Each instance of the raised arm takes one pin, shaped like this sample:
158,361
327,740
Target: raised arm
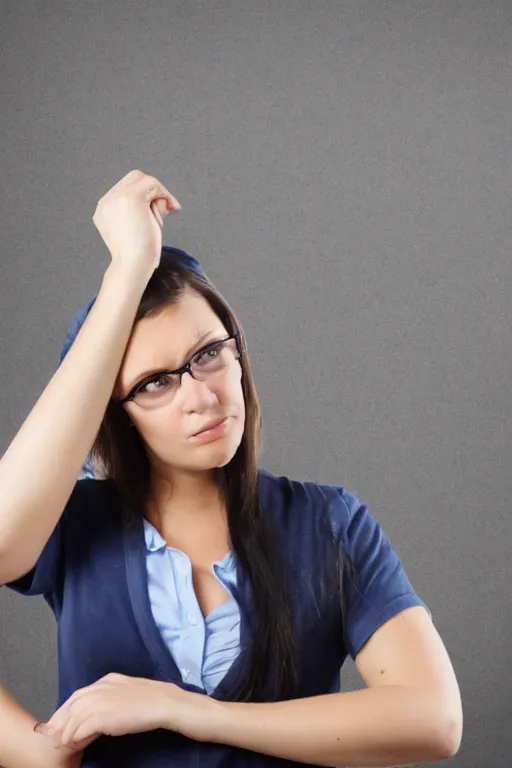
40,467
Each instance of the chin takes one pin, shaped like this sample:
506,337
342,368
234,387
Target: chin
222,456
218,454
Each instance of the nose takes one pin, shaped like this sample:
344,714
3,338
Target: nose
195,395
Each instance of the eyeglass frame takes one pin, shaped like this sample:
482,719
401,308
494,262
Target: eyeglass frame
185,368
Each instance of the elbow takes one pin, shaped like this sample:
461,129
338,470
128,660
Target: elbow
451,738
449,733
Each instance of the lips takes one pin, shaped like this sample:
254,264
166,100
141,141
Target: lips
209,425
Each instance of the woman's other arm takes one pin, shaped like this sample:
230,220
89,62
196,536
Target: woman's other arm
21,747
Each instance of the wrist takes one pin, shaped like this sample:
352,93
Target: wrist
195,715
221,720
133,279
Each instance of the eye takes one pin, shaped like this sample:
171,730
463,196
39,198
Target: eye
209,353
161,379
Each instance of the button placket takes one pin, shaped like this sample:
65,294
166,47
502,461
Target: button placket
194,634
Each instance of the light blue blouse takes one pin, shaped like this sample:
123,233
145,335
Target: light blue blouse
203,648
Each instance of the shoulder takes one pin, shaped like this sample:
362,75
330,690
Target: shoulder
284,496
92,503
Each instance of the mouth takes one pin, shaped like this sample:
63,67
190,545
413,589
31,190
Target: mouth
212,428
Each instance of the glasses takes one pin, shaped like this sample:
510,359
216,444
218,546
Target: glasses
160,388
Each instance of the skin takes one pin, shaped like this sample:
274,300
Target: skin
182,470
185,505
20,747
411,709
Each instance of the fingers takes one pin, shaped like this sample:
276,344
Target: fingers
159,208
74,712
67,733
157,214
149,188
78,728
84,734
61,716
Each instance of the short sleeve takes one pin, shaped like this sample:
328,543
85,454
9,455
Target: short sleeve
42,579
375,585
45,577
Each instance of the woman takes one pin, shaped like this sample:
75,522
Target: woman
204,607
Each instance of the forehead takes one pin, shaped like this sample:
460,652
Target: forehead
164,340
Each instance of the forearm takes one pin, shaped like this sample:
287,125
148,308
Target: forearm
20,747
40,467
373,727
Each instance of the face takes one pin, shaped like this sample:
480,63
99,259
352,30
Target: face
166,342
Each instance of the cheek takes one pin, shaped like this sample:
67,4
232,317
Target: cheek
231,393
164,427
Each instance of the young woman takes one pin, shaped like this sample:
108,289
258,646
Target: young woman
204,606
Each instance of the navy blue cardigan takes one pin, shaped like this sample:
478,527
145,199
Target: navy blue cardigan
92,573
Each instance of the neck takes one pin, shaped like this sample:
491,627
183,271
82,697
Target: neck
183,495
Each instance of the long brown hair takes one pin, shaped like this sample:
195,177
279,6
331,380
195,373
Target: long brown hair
119,453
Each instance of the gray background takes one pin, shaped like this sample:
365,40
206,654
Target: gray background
345,175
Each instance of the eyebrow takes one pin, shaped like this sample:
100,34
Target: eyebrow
190,353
